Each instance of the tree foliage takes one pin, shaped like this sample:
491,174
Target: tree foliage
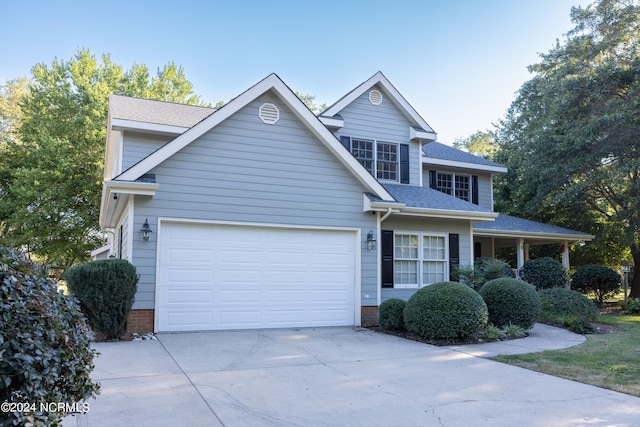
480,144
571,139
51,173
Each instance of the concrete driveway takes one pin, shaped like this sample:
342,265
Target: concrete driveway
337,377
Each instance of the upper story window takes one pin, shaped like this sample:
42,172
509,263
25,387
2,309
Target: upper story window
387,161
464,187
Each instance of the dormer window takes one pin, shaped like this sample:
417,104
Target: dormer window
387,161
464,187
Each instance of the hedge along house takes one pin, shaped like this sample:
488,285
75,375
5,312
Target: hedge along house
262,215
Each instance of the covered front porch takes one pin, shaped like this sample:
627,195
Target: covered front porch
513,232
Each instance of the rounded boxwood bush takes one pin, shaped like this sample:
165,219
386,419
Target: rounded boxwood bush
45,353
568,309
511,301
599,279
544,273
445,310
106,290
391,314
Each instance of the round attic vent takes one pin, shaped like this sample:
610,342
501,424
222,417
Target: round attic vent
269,113
375,97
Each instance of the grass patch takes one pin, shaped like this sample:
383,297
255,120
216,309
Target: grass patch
609,361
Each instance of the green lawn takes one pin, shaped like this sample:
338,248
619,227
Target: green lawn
605,360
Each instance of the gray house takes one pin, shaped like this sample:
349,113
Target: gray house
262,215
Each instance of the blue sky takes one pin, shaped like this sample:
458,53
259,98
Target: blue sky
459,63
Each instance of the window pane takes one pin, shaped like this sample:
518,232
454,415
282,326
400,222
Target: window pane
463,187
444,182
405,272
387,161
433,272
433,248
362,149
406,246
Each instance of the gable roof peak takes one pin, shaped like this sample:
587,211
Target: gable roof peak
394,95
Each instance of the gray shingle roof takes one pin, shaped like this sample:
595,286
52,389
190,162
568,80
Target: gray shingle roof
436,150
158,112
428,198
510,223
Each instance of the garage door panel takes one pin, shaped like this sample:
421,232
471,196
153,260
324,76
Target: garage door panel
235,277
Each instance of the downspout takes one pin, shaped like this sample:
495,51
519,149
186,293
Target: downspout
386,215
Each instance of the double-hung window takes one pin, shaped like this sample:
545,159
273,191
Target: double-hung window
420,259
380,158
462,186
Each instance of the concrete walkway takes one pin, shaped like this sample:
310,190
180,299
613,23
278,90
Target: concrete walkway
339,377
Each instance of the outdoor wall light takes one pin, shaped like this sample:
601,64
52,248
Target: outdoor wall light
145,231
371,240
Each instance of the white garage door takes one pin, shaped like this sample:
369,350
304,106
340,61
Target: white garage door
235,277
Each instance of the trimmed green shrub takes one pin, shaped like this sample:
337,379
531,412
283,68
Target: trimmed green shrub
106,289
445,310
633,306
391,314
483,270
567,309
45,354
511,301
545,273
599,279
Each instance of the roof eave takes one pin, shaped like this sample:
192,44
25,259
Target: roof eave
449,214
533,235
113,203
145,127
463,165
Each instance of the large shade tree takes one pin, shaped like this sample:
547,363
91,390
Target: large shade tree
571,139
52,149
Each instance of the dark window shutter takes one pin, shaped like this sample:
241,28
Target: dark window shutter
433,179
386,246
474,189
120,237
404,163
454,255
346,141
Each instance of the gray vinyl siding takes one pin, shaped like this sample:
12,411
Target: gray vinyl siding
246,171
136,146
486,246
434,225
485,190
382,122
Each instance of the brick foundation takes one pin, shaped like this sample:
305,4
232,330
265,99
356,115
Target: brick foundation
140,321
369,316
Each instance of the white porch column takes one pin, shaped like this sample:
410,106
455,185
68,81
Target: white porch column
520,251
565,255
526,252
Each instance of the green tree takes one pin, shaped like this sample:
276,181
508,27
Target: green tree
10,96
310,102
51,173
480,144
571,137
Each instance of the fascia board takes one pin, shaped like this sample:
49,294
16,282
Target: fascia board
121,124
421,134
331,122
449,214
463,165
533,235
108,204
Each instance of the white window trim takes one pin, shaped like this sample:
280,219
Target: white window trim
421,259
374,150
453,183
